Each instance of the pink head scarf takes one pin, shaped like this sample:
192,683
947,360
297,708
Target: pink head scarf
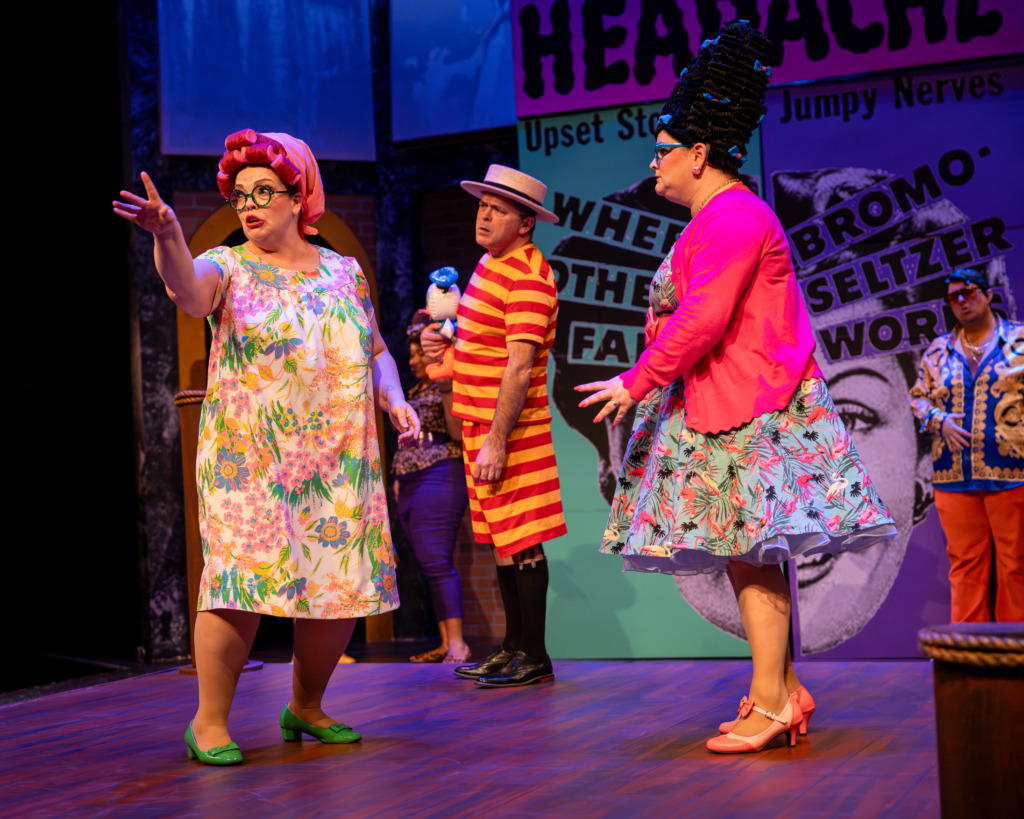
288,157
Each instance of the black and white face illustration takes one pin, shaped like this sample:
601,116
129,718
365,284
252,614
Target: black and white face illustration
838,594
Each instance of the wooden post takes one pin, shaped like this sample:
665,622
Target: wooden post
979,711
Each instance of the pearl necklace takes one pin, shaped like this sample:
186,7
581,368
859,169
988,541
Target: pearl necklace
721,187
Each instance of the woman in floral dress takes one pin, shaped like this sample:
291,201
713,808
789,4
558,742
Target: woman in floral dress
292,511
737,461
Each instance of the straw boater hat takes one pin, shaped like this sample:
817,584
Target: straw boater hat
514,185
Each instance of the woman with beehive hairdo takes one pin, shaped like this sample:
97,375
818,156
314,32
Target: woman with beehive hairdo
719,98
738,460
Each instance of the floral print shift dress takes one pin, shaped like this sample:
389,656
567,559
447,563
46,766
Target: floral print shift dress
292,511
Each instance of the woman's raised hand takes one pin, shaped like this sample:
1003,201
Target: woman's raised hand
191,284
618,398
151,214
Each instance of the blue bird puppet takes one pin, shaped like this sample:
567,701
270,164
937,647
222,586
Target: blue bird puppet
442,305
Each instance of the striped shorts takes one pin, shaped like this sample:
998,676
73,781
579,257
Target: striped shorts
524,508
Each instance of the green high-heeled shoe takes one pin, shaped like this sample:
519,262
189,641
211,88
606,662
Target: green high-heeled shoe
292,729
229,754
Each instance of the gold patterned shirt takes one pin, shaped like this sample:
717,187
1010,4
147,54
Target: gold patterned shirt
992,401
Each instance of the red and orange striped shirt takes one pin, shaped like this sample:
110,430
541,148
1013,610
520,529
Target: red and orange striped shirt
508,299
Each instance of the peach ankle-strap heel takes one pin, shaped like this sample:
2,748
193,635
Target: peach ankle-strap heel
788,721
806,706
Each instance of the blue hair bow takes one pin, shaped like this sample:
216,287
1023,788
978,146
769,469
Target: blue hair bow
722,101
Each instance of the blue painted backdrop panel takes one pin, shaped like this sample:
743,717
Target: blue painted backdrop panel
451,67
300,66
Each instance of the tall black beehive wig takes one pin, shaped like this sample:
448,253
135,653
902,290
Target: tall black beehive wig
719,99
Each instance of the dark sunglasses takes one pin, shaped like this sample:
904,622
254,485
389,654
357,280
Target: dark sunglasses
965,293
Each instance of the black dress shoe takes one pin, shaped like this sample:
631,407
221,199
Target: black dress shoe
522,670
497,660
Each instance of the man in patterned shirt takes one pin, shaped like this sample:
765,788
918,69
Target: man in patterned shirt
506,326
969,395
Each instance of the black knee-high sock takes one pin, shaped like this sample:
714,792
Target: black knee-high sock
533,605
510,601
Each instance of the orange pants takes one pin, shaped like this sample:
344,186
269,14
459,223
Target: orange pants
972,521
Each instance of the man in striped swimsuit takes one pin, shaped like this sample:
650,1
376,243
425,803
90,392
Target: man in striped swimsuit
506,326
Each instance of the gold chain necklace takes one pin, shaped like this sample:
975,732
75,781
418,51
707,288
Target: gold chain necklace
721,187
976,351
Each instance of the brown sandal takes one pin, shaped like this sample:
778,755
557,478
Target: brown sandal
435,655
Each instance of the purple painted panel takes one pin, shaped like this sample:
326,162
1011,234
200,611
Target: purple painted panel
882,193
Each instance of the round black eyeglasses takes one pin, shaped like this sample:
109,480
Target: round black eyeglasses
261,196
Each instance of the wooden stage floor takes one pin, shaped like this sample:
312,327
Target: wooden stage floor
606,739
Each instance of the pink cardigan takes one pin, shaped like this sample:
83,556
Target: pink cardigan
740,336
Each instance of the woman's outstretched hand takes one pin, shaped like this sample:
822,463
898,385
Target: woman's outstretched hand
152,214
617,396
191,283
406,421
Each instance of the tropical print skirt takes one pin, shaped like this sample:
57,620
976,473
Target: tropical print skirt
787,483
